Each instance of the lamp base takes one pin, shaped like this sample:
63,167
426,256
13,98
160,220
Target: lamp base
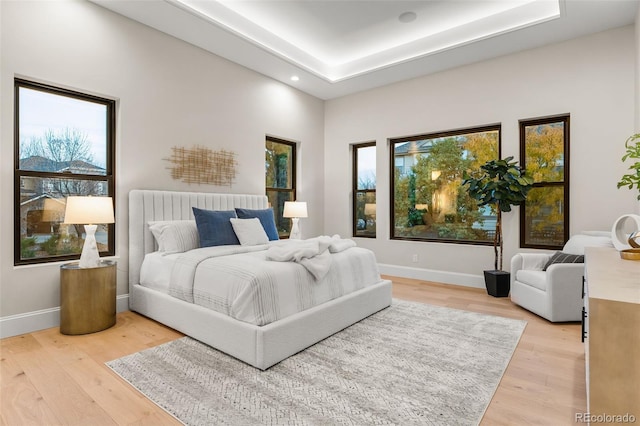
295,233
90,258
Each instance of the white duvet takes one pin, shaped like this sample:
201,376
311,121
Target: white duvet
265,283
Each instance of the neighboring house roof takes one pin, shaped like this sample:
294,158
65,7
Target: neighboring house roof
413,147
44,164
39,197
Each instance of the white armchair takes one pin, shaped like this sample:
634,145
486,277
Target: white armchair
554,294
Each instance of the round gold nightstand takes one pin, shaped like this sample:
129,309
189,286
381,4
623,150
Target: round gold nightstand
87,298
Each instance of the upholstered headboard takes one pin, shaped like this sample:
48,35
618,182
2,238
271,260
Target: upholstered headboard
149,205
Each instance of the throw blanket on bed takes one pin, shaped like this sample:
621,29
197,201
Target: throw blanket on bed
241,282
313,254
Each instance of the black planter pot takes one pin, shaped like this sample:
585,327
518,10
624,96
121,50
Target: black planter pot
498,283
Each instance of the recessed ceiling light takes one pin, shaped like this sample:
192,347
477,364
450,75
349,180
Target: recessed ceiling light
295,78
407,17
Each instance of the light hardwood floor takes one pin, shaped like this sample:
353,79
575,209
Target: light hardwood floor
51,379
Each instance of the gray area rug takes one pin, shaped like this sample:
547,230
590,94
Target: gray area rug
408,364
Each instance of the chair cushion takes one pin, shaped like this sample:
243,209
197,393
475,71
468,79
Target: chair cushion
560,257
537,279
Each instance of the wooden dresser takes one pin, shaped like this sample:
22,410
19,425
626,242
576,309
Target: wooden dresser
612,330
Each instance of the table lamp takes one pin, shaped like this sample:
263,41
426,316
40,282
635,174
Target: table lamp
370,209
89,211
53,211
295,210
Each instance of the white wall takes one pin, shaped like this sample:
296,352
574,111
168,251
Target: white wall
592,78
168,93
637,91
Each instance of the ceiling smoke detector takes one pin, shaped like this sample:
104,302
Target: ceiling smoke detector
407,17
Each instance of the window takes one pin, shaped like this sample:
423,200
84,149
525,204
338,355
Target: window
280,173
544,153
364,190
64,145
428,200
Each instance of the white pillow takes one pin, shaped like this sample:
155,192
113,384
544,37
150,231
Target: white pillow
578,242
597,233
175,236
249,231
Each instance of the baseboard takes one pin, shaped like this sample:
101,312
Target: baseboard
467,280
47,318
29,322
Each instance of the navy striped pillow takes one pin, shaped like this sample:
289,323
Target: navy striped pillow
560,257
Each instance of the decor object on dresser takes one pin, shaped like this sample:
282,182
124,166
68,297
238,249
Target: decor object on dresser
622,230
499,184
89,211
550,285
295,210
87,297
632,144
231,296
438,371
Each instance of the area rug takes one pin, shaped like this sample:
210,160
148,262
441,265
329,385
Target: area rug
411,363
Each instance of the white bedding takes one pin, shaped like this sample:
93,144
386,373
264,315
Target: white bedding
241,282
155,271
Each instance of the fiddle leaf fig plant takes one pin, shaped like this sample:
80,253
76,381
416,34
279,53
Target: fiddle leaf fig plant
633,151
500,184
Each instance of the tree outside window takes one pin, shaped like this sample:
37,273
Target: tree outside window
544,149
429,202
364,190
64,145
280,167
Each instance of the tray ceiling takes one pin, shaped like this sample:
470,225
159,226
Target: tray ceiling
333,48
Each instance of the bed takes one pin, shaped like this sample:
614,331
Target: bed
258,345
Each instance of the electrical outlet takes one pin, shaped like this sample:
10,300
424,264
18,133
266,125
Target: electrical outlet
414,258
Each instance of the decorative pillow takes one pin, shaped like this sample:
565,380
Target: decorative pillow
606,234
266,219
214,227
578,242
175,236
560,257
249,231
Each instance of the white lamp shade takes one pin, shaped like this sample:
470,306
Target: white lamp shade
370,209
89,210
53,209
295,209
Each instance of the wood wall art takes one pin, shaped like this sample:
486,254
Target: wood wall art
203,165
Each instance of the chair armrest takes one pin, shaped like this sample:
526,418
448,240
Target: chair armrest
564,286
534,261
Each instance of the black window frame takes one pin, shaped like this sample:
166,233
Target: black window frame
109,175
523,124
355,190
442,134
292,190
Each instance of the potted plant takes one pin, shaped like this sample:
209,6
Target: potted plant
633,151
499,184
